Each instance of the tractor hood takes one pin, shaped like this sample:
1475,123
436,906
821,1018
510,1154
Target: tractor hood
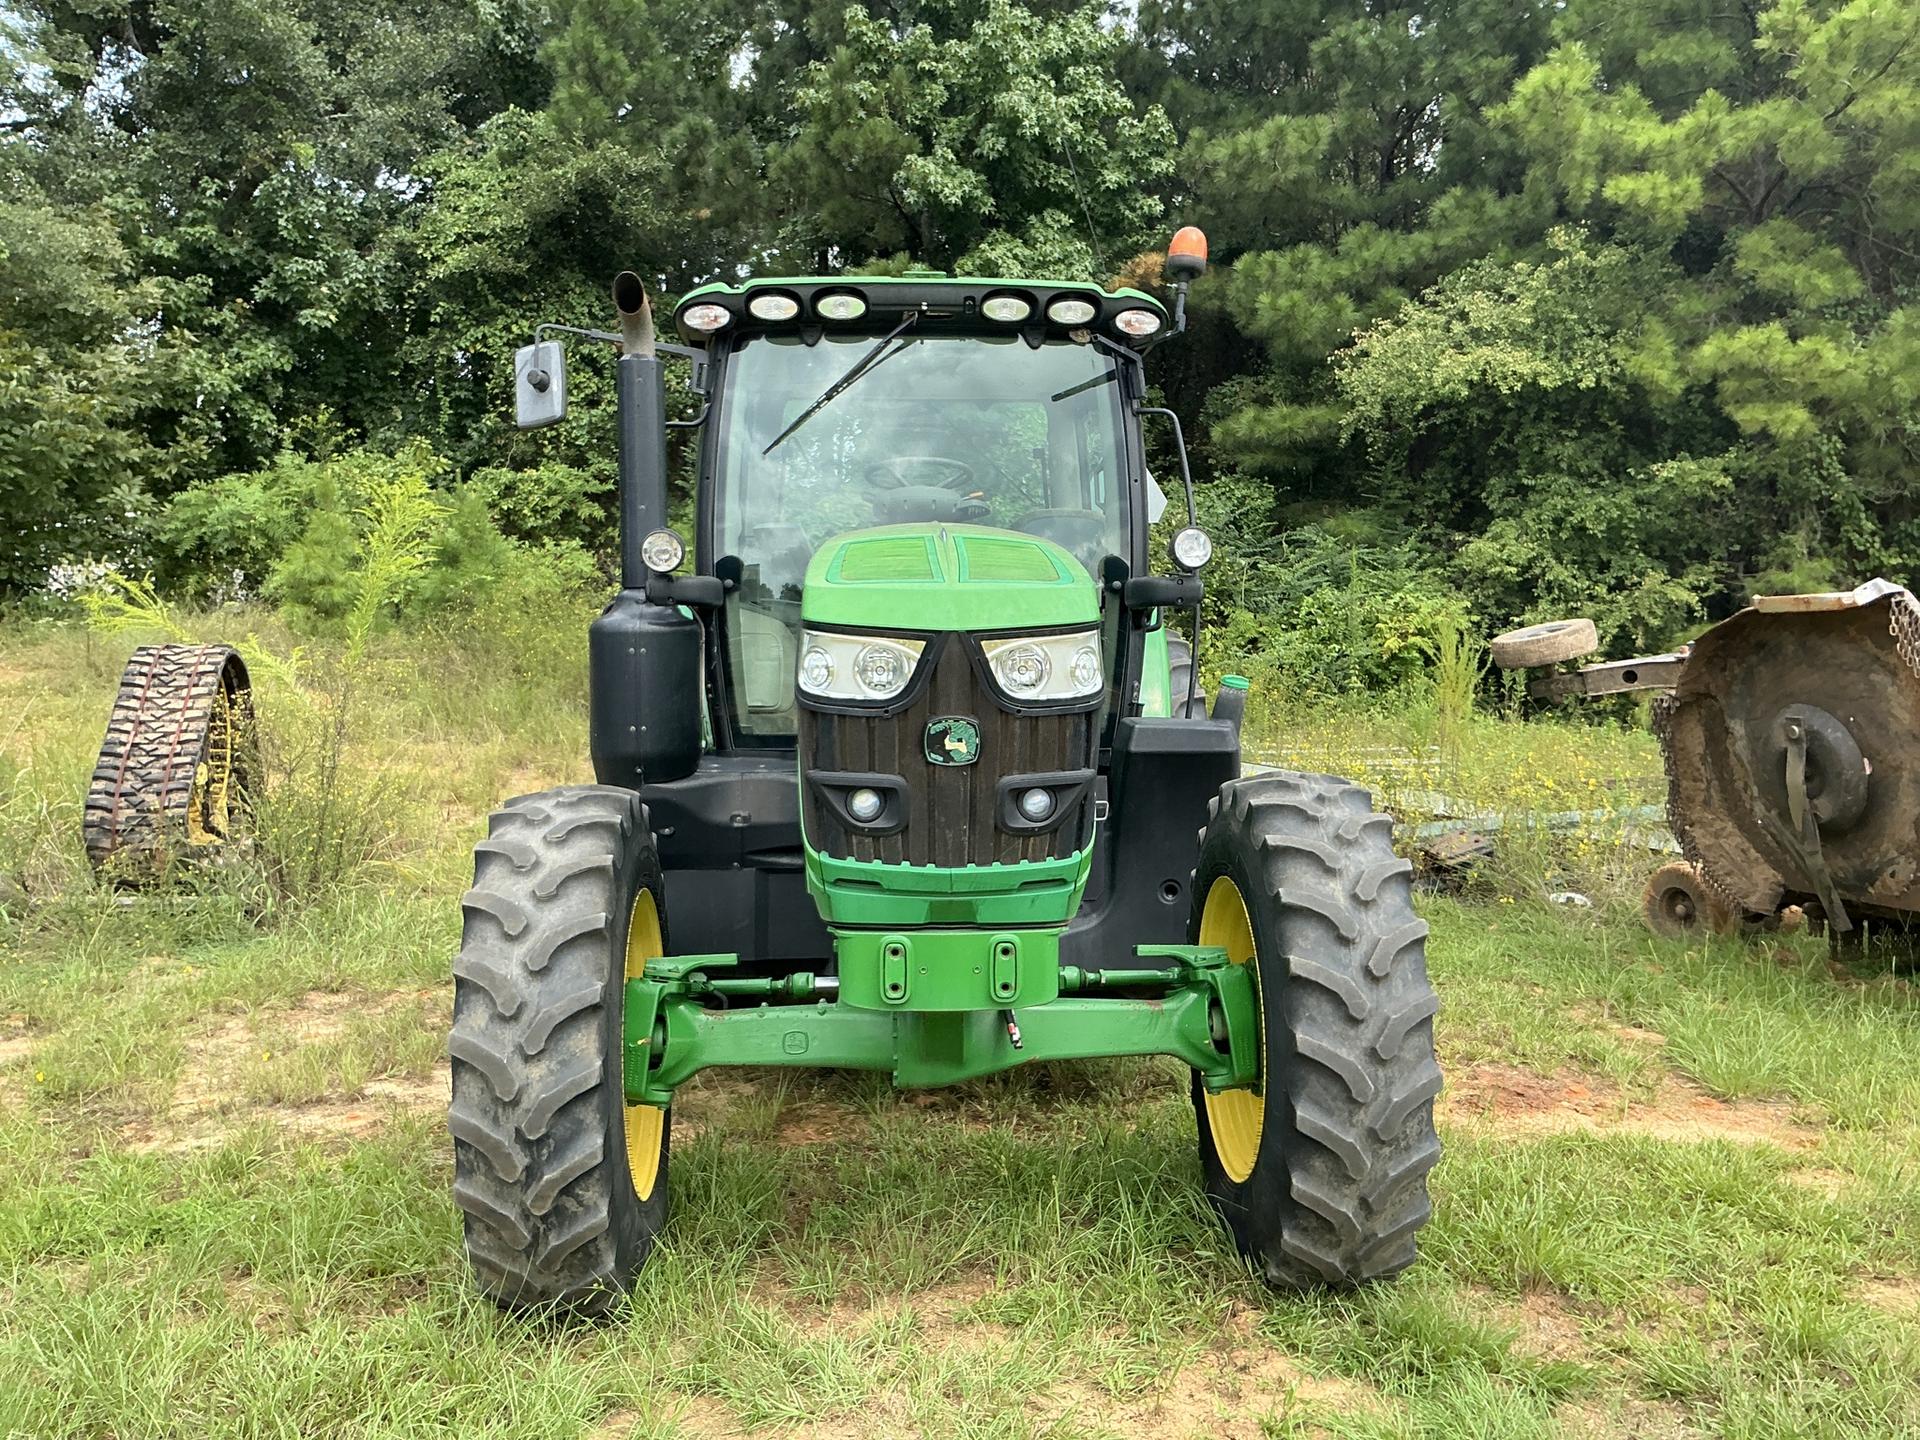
936,577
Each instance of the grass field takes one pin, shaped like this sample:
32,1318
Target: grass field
1681,1192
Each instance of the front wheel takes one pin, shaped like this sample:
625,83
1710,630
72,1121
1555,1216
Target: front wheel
1320,1167
562,1185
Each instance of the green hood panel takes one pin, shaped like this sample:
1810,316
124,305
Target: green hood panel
947,577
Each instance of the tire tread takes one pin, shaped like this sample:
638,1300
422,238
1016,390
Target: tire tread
1353,1120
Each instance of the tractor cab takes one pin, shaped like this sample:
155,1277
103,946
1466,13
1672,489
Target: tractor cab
963,428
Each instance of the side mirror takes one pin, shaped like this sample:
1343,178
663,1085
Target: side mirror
539,384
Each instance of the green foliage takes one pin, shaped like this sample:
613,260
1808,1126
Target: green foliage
992,145
304,533
550,503
87,354
232,530
1509,411
1610,306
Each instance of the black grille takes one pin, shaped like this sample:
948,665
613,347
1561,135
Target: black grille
951,810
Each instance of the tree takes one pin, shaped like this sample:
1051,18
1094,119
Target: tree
252,152
1339,155
1510,413
86,358
1004,149
1774,154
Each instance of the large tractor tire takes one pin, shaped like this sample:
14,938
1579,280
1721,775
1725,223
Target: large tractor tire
1320,1168
175,773
562,1185
1180,682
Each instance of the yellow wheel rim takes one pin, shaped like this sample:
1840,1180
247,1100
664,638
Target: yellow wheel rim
210,806
1234,1116
644,1123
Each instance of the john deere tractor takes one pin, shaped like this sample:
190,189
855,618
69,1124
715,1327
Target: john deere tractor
894,775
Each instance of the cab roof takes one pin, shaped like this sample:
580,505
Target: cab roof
946,303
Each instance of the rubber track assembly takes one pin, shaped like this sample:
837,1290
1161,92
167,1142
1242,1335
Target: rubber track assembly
175,766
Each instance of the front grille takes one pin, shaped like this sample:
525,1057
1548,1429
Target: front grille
951,809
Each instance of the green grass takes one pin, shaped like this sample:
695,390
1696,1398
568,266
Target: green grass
1681,1194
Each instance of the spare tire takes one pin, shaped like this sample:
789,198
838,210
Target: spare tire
1545,644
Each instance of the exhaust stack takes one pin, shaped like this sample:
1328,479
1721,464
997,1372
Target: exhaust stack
636,314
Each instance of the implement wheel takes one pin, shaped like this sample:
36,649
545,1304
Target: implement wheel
174,777
561,1183
1678,904
1320,1168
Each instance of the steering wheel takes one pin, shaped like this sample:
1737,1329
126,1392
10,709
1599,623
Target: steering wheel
919,472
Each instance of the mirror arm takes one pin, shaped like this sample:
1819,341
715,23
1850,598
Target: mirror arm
612,337
696,592
1179,449
609,336
1186,483
695,422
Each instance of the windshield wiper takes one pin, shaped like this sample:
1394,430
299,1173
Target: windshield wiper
1085,385
860,367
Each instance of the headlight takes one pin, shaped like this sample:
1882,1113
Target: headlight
1007,309
772,305
707,318
1138,323
1044,668
856,667
840,306
1192,548
662,551
1070,312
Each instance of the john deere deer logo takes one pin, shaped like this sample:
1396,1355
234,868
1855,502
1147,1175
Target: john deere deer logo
952,740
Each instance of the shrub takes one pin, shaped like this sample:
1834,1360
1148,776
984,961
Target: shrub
553,503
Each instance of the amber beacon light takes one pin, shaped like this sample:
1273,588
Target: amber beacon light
1187,255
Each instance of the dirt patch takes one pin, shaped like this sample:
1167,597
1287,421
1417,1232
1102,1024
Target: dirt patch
1898,1296
208,1103
1229,1393
1625,1420
795,1108
16,1039
1225,1394
941,1313
703,1417
1818,1178
707,1100
1635,1035
1549,1323
377,1105
814,1122
1511,1101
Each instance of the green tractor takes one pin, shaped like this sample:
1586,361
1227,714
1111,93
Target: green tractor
896,775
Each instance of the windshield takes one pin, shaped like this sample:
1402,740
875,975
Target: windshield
983,430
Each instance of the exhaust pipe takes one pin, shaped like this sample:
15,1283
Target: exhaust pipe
644,657
641,402
636,314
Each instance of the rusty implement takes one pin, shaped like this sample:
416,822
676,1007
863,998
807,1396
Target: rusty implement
1793,755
